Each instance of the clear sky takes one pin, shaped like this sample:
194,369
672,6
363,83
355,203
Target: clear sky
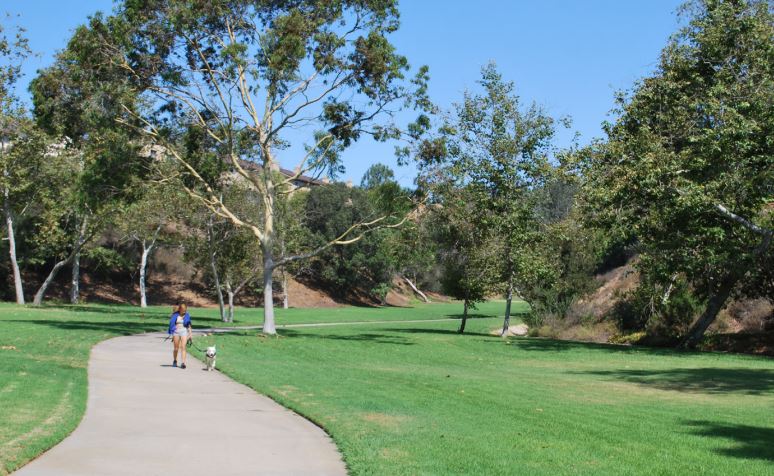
568,55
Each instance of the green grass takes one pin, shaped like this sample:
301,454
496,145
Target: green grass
416,398
44,354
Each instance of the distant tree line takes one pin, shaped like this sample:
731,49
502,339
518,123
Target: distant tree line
162,125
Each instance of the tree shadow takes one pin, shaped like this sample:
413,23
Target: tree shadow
419,330
552,345
127,311
366,337
115,327
751,442
543,344
476,316
105,309
699,380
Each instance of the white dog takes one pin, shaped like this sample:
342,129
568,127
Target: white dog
209,358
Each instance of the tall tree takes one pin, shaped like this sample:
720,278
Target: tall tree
500,151
18,146
466,250
252,76
688,167
79,99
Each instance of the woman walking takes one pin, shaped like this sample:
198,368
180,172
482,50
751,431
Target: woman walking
180,330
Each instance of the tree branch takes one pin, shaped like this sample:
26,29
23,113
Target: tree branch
743,221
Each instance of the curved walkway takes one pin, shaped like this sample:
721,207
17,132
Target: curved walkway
146,418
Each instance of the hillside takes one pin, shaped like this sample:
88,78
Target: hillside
745,325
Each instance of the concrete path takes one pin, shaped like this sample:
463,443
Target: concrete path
146,418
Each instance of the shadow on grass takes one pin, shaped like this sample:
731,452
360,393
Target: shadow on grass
366,337
115,327
750,442
701,380
420,330
542,344
105,309
477,316
553,345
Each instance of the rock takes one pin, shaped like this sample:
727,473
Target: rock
519,330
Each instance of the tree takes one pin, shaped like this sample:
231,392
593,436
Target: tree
377,175
18,144
687,168
362,267
144,222
292,235
466,251
251,76
78,100
500,152
228,252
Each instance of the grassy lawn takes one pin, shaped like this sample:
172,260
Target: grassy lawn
416,398
44,354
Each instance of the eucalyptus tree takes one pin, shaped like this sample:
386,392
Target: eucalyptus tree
18,144
254,77
229,253
689,164
500,152
150,221
78,100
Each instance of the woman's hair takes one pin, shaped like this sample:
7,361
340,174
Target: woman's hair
181,309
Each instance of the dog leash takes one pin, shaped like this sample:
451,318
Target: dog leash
191,343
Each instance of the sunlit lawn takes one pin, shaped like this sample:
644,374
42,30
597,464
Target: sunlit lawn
44,354
417,398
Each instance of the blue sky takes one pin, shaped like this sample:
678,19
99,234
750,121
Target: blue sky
568,55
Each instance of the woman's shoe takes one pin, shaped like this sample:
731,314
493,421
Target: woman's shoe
174,363
182,366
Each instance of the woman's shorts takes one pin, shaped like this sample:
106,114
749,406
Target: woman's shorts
181,332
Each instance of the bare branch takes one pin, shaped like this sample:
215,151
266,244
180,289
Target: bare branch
743,221
343,239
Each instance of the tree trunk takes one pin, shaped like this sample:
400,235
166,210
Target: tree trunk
268,290
716,302
719,297
464,318
284,290
508,299
420,293
218,289
17,282
38,299
146,251
267,243
75,281
230,293
143,265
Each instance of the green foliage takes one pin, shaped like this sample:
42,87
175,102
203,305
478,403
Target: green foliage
377,175
498,152
364,266
691,143
466,254
664,313
104,259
